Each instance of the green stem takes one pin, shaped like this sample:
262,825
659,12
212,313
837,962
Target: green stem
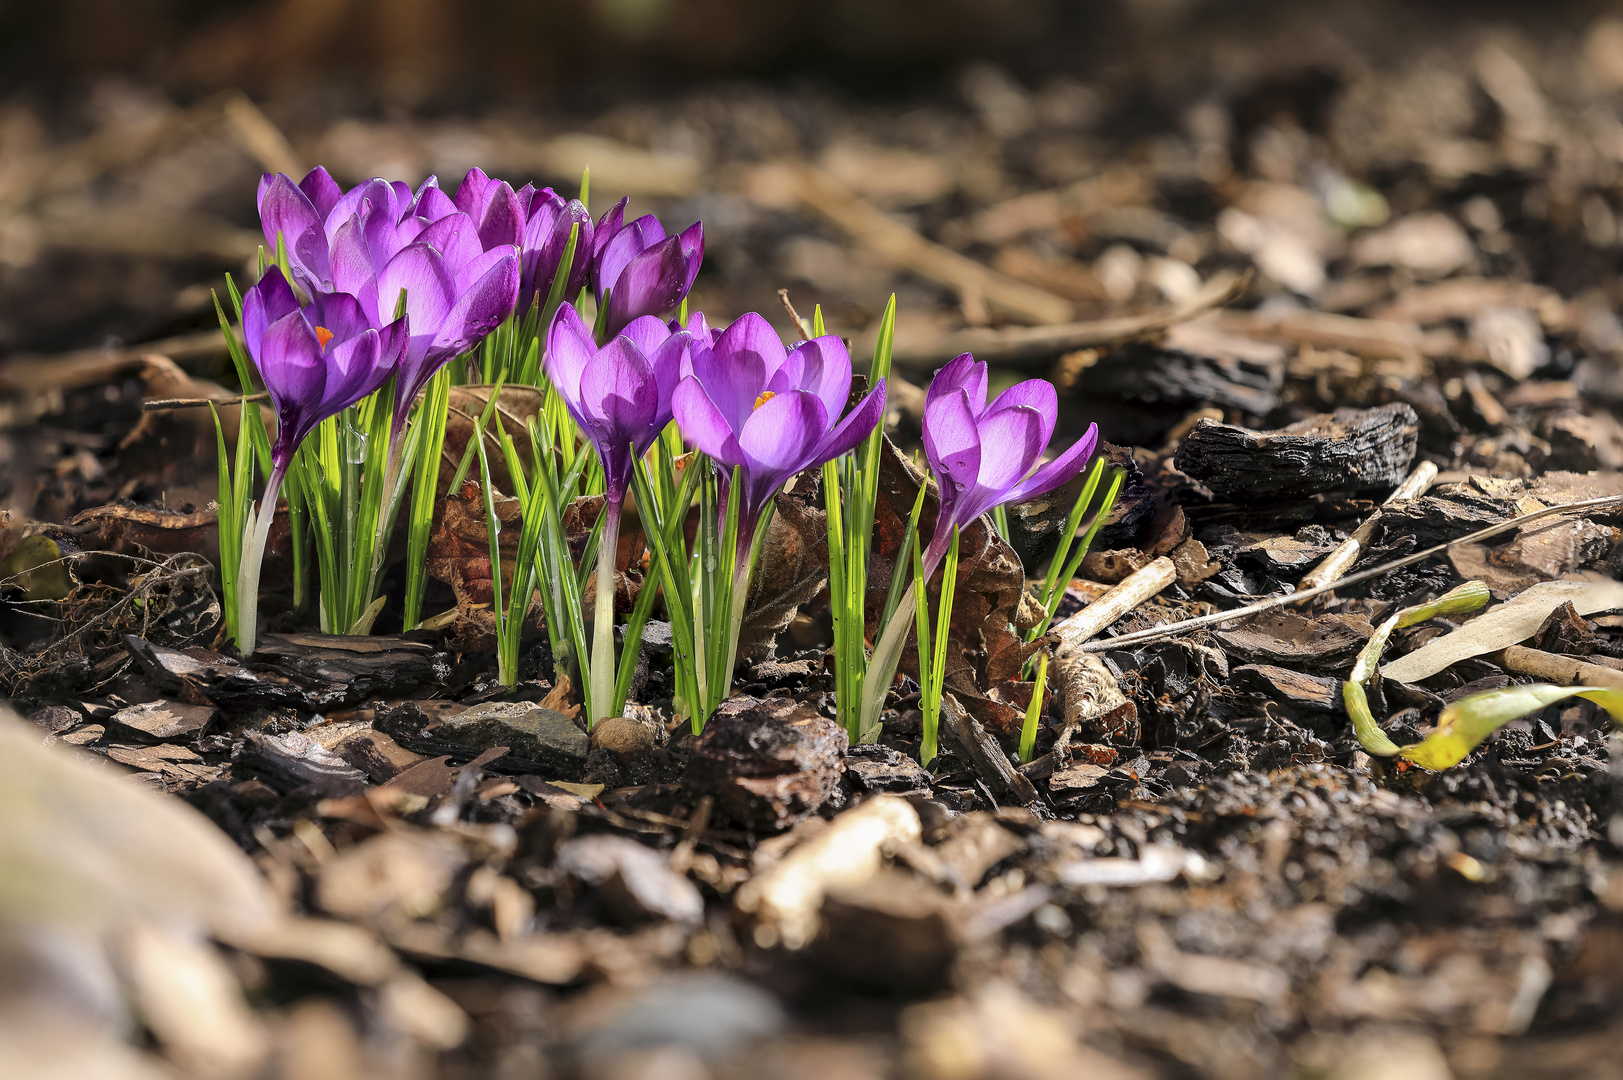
603,665
887,652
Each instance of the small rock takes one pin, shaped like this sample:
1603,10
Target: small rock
55,718
768,763
531,731
163,719
623,737
708,1015
875,767
636,882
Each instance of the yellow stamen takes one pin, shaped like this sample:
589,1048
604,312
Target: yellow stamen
323,335
766,396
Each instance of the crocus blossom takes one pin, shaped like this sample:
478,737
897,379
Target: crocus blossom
316,361
548,220
640,269
454,262
620,394
751,403
983,454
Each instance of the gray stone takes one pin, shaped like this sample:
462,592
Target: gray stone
530,731
635,881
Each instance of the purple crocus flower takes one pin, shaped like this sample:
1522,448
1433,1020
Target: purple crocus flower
316,361
454,259
548,219
639,268
620,394
751,403
982,454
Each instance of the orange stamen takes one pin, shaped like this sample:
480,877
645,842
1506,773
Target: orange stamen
323,335
766,396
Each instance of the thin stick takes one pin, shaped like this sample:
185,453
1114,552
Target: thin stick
165,404
1173,630
794,316
1339,561
1030,346
1561,670
1136,588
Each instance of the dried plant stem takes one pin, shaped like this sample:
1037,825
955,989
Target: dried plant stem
1184,627
1560,670
1133,591
1339,561
165,404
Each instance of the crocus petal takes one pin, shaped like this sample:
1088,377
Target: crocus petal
952,442
858,424
269,300
734,379
692,242
650,284
569,350
699,327
353,372
778,440
429,287
284,209
362,199
607,227
671,361
1011,443
456,238
482,305
702,423
647,332
432,205
353,271
472,195
502,223
751,335
1036,394
962,372
295,374
620,400
341,315
1060,470
626,244
825,370
322,190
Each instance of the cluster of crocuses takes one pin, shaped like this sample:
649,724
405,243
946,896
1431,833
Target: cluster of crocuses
396,284
400,282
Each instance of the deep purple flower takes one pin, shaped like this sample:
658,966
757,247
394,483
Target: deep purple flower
316,361
642,271
548,218
982,455
773,411
620,394
378,239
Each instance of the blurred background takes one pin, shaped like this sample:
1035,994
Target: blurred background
132,132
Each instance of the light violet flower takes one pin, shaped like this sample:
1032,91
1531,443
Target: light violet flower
983,454
751,403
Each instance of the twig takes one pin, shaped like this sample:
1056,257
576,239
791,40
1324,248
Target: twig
1136,588
884,235
984,752
164,404
794,316
1174,629
1033,346
1339,561
1560,670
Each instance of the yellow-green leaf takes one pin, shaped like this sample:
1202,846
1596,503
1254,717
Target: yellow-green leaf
1464,724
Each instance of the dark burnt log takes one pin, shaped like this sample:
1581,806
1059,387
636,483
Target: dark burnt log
1350,450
